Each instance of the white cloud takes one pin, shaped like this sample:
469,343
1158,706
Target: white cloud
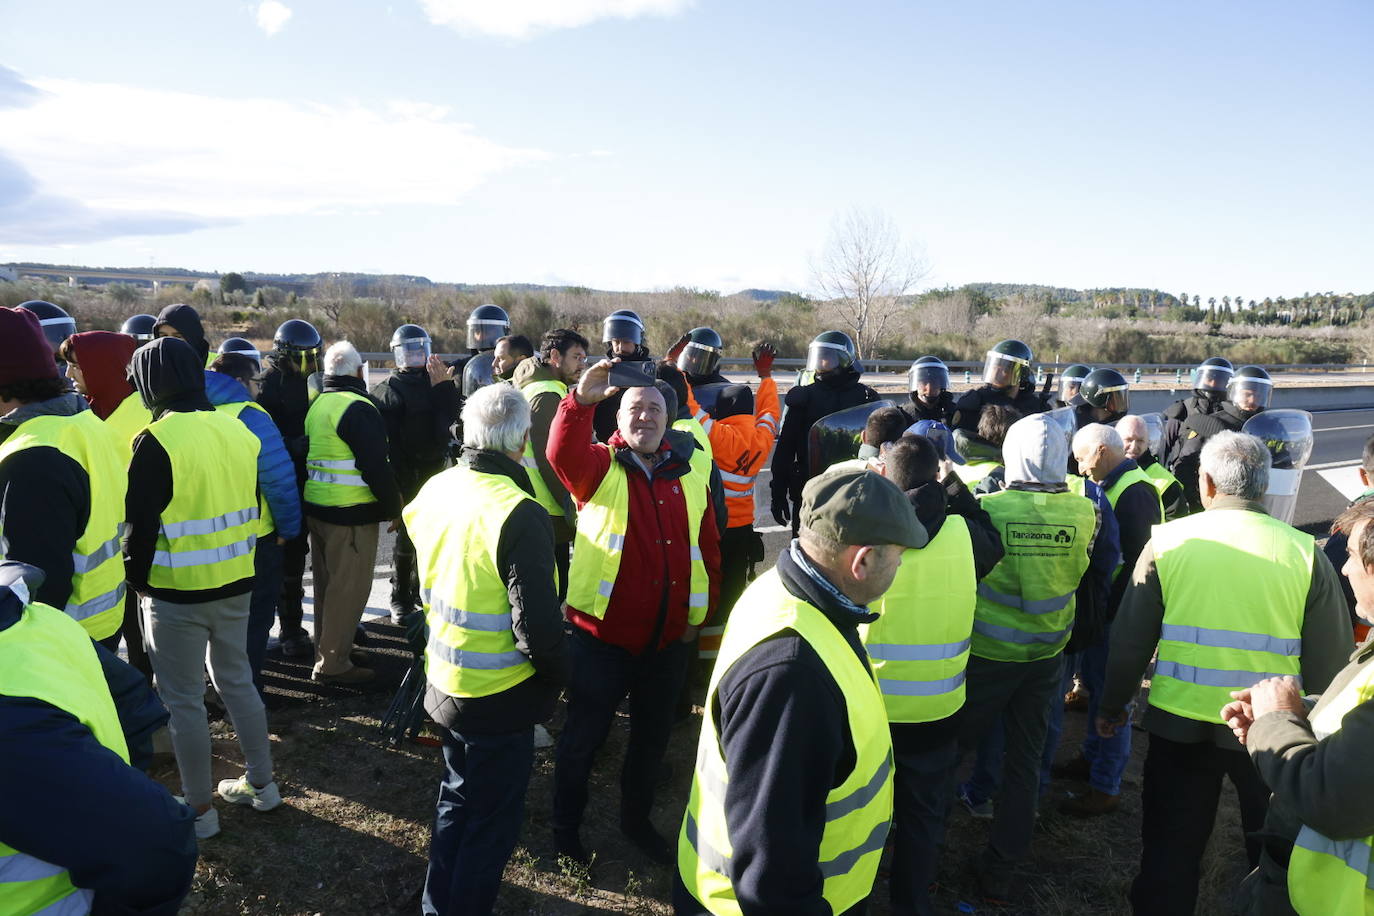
272,16
523,18
124,149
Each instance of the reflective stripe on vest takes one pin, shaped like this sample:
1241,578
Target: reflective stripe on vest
600,542
1025,605
455,523
210,528
920,642
97,585
858,812
266,523
1327,876
49,657
1234,584
332,479
542,494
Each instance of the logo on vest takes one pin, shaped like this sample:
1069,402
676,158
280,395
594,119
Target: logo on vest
1029,535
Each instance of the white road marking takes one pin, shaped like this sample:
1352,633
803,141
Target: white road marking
1332,464
1345,480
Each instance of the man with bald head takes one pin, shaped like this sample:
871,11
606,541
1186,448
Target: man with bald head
1135,435
645,574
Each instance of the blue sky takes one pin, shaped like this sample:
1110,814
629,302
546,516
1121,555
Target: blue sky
1213,148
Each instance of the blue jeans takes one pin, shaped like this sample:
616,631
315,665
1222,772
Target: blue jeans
1107,757
262,608
477,820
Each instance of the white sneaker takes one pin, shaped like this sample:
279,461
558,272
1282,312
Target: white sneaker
242,792
207,824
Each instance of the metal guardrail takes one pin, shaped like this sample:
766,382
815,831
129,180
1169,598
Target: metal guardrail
901,365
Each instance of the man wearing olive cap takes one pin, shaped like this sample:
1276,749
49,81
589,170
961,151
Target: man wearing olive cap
792,792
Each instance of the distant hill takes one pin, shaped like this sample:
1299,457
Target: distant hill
764,295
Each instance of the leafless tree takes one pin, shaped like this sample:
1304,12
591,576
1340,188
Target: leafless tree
865,270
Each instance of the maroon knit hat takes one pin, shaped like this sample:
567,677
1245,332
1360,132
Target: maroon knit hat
25,354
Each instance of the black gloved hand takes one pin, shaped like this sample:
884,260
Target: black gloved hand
782,512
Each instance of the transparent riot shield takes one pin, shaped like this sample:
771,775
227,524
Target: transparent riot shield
1287,433
478,373
836,437
1154,425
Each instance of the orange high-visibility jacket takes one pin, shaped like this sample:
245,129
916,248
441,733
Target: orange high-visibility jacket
741,445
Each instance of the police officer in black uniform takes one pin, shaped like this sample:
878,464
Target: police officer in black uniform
285,395
1249,391
1103,397
139,327
698,354
1210,380
1070,381
623,334
931,399
834,360
1008,379
419,403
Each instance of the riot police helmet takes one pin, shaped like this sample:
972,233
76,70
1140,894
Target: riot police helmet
701,354
1212,376
298,344
1107,389
1250,389
930,373
1008,364
56,323
139,327
831,351
623,324
1071,379
486,325
410,346
241,347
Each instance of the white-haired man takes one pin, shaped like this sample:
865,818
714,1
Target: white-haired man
1231,597
349,490
495,661
1135,435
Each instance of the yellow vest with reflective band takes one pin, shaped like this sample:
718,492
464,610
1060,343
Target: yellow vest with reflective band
97,596
1327,876
858,812
210,528
919,644
542,494
331,476
49,657
128,420
455,522
973,472
600,542
1133,476
266,524
1235,588
703,454
1026,604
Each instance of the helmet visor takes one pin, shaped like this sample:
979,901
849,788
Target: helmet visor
483,333
927,379
1250,393
698,359
823,356
1002,370
1118,400
411,353
622,327
1211,378
1068,388
250,352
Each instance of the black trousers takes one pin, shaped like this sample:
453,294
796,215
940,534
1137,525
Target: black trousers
920,807
132,633
602,674
1179,807
735,547
289,610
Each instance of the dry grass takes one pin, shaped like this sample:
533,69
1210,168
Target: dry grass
353,835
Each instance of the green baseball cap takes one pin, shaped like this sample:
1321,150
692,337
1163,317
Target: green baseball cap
860,507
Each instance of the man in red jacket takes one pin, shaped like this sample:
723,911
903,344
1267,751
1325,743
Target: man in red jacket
645,574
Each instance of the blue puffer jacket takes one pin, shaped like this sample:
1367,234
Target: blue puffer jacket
276,473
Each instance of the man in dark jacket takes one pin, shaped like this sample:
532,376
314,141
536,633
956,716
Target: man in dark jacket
544,382
485,551
349,490
183,322
832,357
791,721
931,399
636,596
1135,435
122,840
419,403
1008,379
284,392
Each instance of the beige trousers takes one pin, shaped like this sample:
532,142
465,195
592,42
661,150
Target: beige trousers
342,558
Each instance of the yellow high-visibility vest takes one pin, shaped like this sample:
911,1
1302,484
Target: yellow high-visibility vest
49,657
455,522
858,812
1235,588
331,476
